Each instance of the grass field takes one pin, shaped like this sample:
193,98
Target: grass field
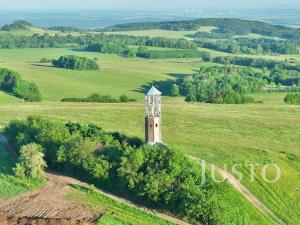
156,33
117,75
115,212
221,134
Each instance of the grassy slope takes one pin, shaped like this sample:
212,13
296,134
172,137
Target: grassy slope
276,57
117,76
221,134
115,212
175,34
155,33
162,33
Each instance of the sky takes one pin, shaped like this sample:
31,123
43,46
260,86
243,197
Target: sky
145,4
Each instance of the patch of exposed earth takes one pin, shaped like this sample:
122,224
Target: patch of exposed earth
47,206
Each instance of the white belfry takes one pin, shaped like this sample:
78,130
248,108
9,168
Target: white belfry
153,116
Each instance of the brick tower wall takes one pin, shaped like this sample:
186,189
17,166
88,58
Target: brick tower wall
153,129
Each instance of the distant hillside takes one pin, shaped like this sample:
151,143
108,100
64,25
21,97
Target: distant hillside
17,25
231,26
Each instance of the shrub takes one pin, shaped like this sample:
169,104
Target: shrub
28,91
292,99
31,163
75,63
125,98
130,53
175,90
221,85
44,60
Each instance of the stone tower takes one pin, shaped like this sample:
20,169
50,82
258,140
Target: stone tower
153,116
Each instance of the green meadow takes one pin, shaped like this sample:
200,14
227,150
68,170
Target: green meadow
155,33
115,212
265,133
162,33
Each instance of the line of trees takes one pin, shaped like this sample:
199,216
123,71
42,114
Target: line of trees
251,46
118,44
155,175
164,54
75,63
255,62
65,29
119,48
75,41
11,82
100,99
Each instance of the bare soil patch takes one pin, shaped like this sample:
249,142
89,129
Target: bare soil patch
12,220
47,206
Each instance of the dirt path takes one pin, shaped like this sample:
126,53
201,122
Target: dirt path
49,203
243,190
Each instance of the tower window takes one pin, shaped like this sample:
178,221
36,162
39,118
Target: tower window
156,125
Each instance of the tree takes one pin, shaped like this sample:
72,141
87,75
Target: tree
28,91
292,99
206,56
130,53
31,163
12,82
75,63
175,90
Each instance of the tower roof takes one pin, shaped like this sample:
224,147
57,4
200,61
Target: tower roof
154,91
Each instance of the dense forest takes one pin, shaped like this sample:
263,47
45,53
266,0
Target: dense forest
232,26
251,46
11,82
75,63
156,175
223,85
230,85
